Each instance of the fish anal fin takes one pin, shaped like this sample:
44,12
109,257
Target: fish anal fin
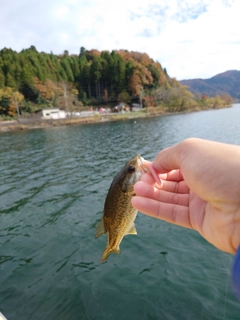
132,230
100,229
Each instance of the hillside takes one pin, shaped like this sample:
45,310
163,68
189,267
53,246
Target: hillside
32,80
226,82
92,77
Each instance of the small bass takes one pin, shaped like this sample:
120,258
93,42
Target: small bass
119,214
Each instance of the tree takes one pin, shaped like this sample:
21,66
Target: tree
67,68
176,98
124,97
17,75
105,95
155,74
33,48
98,76
83,52
9,101
95,70
74,63
2,79
10,81
165,71
134,84
26,76
85,78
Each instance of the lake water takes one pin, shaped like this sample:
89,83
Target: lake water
52,190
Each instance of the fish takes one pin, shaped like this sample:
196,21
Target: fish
119,215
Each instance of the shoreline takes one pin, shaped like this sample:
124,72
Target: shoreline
29,124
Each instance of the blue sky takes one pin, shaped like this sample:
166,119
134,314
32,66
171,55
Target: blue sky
190,38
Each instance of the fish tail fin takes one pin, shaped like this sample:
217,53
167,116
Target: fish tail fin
108,251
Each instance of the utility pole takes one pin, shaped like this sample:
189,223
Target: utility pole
140,96
65,96
16,104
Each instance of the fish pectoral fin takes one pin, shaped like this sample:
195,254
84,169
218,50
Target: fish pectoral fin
127,188
132,230
100,229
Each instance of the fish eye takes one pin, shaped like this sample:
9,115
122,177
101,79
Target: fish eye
131,169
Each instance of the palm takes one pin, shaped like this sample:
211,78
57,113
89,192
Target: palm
174,202
200,190
197,209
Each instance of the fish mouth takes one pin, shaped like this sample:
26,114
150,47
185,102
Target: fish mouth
146,166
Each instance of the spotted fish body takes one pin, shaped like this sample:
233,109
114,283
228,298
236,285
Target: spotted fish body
119,214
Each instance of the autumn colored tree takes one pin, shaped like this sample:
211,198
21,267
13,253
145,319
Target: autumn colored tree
9,101
96,77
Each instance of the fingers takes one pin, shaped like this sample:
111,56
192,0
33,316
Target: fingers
169,212
176,187
161,203
174,175
167,185
143,189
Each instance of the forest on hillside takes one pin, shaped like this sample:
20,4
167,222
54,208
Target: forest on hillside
31,80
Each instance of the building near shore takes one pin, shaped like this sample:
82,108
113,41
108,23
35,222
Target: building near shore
53,113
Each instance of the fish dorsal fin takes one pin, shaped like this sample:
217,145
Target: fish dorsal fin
132,230
100,229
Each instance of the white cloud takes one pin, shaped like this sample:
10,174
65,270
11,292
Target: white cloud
62,12
191,38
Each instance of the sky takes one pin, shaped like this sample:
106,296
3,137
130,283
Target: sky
190,38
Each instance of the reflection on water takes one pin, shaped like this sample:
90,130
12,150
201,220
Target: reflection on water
52,189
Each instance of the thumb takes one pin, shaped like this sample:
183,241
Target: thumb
168,159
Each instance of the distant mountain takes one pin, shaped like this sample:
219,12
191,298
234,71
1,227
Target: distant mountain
222,83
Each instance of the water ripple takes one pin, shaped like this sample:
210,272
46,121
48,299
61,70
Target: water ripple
52,189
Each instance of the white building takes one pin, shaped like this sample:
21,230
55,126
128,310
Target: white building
53,113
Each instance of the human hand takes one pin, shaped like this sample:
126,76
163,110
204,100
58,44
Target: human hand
200,190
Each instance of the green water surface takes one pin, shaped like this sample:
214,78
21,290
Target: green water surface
52,190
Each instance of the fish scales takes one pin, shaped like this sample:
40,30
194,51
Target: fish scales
119,221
